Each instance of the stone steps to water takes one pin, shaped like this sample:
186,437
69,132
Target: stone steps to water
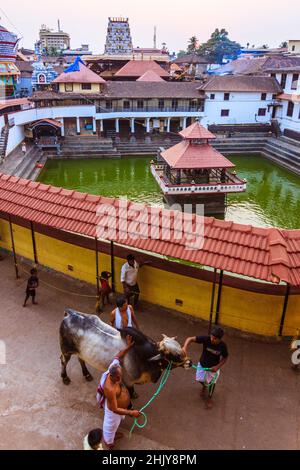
28,163
282,160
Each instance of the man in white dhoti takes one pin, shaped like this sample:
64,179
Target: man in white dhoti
114,396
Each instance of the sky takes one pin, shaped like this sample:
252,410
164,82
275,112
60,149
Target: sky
257,21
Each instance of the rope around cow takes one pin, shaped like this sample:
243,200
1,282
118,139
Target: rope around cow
164,379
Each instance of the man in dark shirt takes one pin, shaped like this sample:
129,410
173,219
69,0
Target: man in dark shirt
32,285
214,356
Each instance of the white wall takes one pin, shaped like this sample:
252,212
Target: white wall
289,81
286,122
2,123
15,137
243,108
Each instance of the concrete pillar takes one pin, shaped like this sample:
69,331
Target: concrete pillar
184,122
62,130
132,125
147,122
101,125
94,126
78,125
168,125
117,126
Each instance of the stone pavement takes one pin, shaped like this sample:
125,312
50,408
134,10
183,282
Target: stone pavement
256,400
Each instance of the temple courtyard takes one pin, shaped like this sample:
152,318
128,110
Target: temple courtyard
256,402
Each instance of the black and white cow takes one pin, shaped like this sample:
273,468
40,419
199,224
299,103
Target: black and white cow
96,343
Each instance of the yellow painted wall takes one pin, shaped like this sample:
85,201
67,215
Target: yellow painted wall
247,311
77,88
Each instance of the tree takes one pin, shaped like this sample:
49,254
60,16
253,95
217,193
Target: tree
192,45
283,45
181,53
219,46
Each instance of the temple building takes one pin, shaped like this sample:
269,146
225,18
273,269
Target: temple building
193,172
8,70
118,39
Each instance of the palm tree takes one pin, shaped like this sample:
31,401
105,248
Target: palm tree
192,45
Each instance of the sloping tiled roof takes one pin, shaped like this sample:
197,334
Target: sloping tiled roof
84,75
267,254
14,102
289,97
191,59
258,66
188,156
136,68
243,83
196,131
150,76
152,90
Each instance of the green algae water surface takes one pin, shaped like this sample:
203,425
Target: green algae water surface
272,198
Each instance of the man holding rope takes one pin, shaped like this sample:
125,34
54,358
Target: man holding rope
114,397
214,356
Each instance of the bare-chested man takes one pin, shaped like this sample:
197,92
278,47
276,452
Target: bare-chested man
123,316
117,403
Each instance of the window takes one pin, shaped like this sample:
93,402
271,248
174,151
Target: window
212,96
174,104
263,96
140,104
283,80
293,48
290,110
86,86
161,104
126,105
193,104
295,81
68,87
226,96
108,104
262,111
225,112
274,96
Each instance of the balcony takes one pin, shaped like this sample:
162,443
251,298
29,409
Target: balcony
149,109
212,183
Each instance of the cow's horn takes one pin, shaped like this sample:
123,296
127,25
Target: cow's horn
155,358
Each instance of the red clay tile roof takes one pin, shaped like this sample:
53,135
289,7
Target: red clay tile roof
289,97
150,76
196,131
188,156
242,83
271,255
85,75
136,68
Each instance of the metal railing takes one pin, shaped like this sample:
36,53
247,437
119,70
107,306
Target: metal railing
146,109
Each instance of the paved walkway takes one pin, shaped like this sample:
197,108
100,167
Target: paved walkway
256,402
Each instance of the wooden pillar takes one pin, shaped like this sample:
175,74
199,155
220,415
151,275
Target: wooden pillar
34,244
112,260
285,306
13,248
97,267
212,301
219,297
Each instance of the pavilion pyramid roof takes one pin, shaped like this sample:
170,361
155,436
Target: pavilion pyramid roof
188,156
78,72
196,131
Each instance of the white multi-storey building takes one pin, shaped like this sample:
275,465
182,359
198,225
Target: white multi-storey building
288,113
239,99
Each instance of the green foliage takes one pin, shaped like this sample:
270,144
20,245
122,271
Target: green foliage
192,45
218,46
